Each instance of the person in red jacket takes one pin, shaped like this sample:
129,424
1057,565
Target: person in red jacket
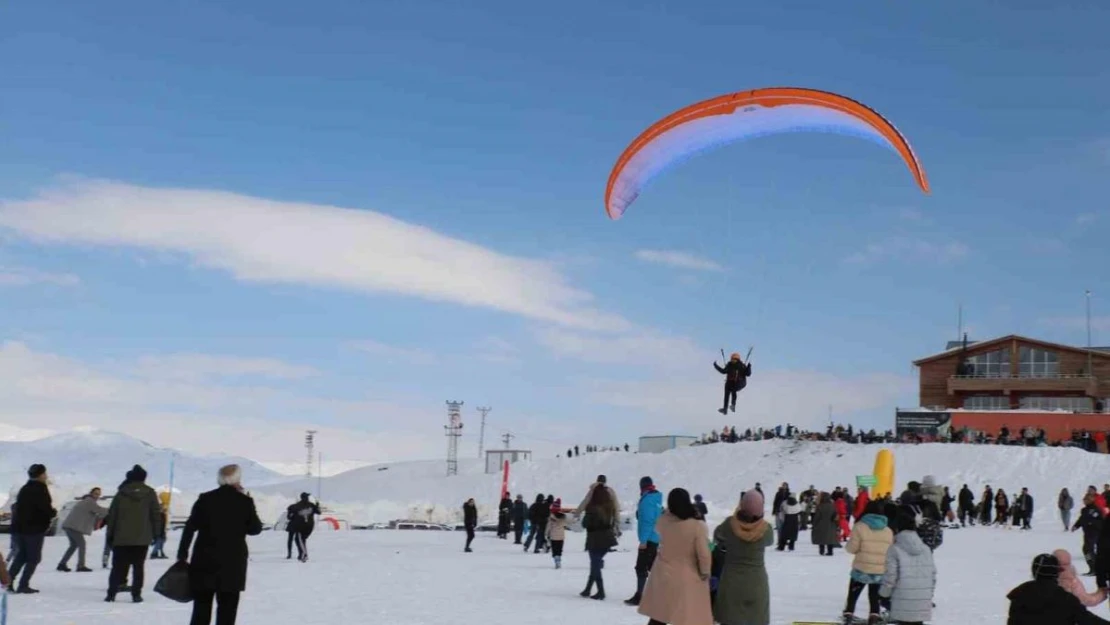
862,499
842,516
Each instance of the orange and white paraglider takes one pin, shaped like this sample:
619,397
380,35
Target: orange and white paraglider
745,115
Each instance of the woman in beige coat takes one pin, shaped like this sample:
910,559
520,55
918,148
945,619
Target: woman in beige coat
677,591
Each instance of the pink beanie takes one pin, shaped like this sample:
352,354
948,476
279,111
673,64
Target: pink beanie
751,504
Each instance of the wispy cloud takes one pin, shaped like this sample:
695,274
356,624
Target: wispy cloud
392,353
266,241
906,248
497,350
198,412
678,260
1088,218
24,276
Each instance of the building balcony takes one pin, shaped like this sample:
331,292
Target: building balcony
1059,383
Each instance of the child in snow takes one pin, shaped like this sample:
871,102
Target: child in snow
910,578
1069,581
870,540
557,532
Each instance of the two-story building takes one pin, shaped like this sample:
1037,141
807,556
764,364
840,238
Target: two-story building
1018,382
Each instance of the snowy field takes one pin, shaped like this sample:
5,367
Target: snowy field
423,578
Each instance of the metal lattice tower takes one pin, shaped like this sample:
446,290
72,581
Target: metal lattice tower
310,449
453,429
482,435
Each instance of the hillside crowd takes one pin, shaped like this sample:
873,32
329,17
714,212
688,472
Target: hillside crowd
718,575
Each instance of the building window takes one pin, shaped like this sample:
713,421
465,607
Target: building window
987,402
1038,363
1071,404
994,364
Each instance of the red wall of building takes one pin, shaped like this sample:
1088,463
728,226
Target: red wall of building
1057,425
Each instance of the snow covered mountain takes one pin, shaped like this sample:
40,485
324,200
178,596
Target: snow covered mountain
81,459
719,472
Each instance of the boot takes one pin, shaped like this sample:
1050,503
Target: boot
558,562
589,588
63,568
874,619
723,411
600,595
641,581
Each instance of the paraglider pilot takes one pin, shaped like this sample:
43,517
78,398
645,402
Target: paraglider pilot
736,374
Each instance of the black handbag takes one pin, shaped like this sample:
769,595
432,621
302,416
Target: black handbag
174,583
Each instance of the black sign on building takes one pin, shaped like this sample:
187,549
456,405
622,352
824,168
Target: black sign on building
924,424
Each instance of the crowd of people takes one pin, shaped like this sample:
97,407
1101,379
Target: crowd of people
719,575
834,433
135,526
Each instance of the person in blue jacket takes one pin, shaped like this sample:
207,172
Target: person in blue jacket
648,512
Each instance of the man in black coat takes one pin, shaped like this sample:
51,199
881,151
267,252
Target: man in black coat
1025,502
537,517
221,519
519,514
32,513
966,506
504,517
301,520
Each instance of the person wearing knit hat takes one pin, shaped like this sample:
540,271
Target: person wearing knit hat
1042,601
743,589
32,515
133,516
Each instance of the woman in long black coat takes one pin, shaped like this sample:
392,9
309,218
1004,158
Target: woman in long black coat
221,519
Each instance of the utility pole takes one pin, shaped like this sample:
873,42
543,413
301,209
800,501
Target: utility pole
453,429
507,438
482,434
310,447
1090,353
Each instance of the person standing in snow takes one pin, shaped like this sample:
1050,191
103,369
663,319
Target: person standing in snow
870,540
504,517
158,549
220,520
132,518
910,577
780,496
1065,504
1025,501
557,532
648,511
1043,602
81,522
966,506
825,526
789,513
301,521
678,590
743,590
1090,520
537,516
987,504
860,507
703,509
946,508
31,517
470,522
600,521
519,516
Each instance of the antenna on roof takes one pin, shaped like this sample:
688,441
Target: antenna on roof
960,324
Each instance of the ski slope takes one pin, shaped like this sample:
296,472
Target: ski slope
423,578
420,490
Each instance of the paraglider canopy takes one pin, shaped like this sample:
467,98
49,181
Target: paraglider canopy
745,115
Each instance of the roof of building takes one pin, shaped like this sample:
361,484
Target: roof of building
955,347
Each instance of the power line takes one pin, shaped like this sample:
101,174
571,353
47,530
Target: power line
507,438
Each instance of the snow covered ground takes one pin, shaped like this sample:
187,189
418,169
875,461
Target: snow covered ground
423,578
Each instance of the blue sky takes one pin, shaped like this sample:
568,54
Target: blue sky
173,264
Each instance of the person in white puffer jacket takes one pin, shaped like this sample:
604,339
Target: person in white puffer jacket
910,579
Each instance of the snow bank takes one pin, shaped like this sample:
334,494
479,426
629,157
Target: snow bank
719,472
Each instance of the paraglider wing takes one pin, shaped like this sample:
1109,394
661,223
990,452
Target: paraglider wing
745,115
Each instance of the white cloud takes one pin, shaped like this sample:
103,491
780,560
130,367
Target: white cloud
679,260
23,276
390,353
905,248
192,412
266,241
497,350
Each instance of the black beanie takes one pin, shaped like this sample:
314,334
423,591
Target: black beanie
601,479
136,474
1046,566
645,482
36,471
